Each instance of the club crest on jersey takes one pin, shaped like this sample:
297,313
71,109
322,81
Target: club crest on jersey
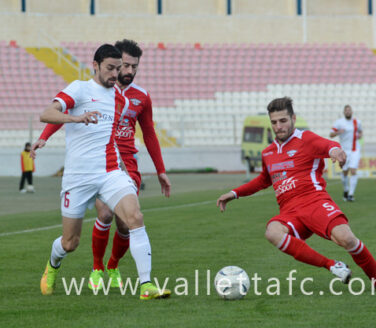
135,101
291,153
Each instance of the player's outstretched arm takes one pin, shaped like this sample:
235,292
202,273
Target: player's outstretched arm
224,199
53,114
165,184
337,154
38,144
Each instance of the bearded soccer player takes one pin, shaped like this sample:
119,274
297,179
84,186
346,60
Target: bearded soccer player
92,167
140,108
294,164
349,130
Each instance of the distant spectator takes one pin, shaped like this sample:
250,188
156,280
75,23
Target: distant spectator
28,167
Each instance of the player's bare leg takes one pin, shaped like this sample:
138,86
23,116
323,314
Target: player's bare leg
128,210
278,235
343,236
66,243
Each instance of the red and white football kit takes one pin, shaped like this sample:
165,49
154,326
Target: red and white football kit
295,169
140,108
349,140
92,162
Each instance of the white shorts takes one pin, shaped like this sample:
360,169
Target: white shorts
352,161
79,191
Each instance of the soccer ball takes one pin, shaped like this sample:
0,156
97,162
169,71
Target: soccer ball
232,283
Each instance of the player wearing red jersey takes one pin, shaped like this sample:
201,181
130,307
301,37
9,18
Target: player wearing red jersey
140,109
92,167
294,164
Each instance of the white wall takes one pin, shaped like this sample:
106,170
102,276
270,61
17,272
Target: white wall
50,160
186,29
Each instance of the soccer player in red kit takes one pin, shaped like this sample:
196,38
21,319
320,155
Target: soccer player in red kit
294,164
140,109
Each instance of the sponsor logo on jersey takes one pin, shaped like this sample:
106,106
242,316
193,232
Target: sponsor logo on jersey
135,101
102,117
131,113
291,153
281,166
279,176
106,117
267,154
286,185
124,130
124,122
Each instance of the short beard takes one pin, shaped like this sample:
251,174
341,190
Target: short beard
290,132
106,84
123,81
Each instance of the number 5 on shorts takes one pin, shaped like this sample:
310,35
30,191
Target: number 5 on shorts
328,207
66,199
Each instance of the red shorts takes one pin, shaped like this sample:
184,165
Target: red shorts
131,164
319,217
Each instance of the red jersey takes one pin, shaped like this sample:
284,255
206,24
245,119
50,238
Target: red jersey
140,108
294,168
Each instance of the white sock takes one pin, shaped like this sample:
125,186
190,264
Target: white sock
57,253
102,226
345,182
141,252
353,183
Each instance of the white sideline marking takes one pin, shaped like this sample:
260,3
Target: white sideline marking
146,210
92,219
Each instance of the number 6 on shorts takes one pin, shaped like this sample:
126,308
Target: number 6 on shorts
66,199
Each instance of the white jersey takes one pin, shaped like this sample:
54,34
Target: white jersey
349,139
91,148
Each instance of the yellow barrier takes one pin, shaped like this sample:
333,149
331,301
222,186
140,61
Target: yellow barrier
367,168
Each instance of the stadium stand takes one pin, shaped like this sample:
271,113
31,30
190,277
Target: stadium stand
26,86
208,90
202,91
207,64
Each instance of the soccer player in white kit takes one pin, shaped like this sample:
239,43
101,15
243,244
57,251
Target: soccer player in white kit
92,167
349,130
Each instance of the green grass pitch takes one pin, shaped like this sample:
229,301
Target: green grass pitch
187,233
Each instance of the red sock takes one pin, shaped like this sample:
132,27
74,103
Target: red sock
119,248
303,253
100,236
364,259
